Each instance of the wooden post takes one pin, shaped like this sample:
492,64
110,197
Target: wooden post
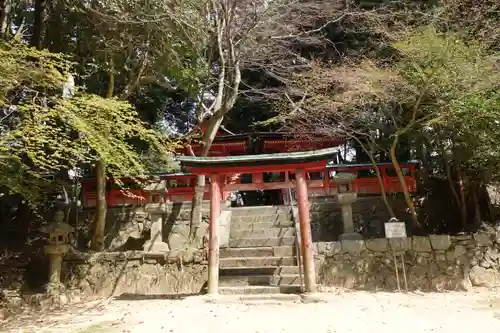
213,236
305,233
326,181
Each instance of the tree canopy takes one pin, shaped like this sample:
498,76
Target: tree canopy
402,79
44,134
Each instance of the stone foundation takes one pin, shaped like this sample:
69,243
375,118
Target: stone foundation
432,263
128,228
143,273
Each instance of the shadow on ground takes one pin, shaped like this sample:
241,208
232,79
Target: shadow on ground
141,297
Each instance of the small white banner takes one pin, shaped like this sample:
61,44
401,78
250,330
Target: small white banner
395,230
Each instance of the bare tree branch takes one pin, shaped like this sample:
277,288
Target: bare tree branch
310,32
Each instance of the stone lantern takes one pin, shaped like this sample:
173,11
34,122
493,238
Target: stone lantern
58,232
345,197
156,208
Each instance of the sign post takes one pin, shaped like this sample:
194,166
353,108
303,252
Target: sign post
396,229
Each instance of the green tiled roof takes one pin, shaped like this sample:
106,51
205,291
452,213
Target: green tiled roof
277,158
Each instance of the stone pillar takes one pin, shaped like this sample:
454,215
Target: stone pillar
55,253
345,201
213,236
305,233
345,197
156,208
155,243
58,245
346,211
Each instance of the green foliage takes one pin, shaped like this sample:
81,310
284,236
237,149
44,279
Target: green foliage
441,89
44,134
28,80
145,42
24,69
458,81
444,64
107,126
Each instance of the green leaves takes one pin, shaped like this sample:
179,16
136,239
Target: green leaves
108,127
149,41
446,64
43,134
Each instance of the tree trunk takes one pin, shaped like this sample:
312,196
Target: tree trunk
55,27
401,178
101,204
97,243
4,18
477,207
459,203
382,192
196,208
197,203
463,206
422,155
379,177
36,40
485,203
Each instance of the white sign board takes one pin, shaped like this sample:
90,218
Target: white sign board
395,230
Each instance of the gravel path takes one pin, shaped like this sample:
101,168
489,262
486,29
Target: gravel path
348,312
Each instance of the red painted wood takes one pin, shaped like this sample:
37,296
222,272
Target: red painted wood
306,166
305,232
284,145
257,178
213,236
271,186
184,189
219,148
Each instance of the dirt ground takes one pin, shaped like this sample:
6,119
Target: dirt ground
342,313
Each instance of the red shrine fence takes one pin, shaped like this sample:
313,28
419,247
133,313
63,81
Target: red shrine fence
319,182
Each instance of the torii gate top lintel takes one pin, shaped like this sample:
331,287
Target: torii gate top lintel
306,161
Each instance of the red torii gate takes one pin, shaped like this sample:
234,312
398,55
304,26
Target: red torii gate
298,162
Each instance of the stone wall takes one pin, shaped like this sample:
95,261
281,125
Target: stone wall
127,228
369,215
432,263
140,273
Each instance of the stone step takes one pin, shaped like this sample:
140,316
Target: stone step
269,299
255,299
256,271
259,210
262,233
186,206
257,290
275,218
257,262
242,252
261,225
259,280
262,242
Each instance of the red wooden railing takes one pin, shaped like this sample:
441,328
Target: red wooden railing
181,186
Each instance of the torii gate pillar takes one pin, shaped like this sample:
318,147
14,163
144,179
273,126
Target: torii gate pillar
213,236
305,233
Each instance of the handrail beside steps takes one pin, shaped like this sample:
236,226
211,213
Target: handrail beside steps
298,246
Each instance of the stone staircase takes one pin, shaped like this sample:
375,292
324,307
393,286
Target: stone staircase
261,257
